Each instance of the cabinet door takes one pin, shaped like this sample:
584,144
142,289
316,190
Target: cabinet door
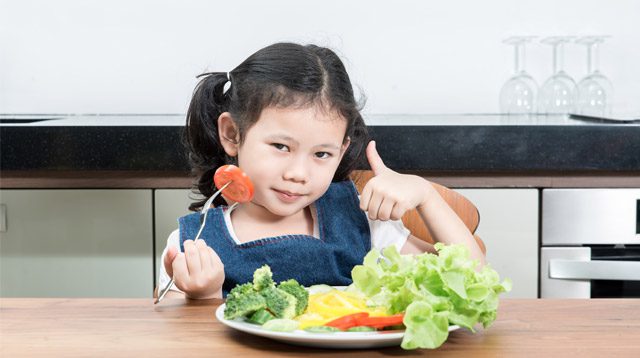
76,243
170,204
509,229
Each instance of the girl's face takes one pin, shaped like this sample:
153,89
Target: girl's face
291,156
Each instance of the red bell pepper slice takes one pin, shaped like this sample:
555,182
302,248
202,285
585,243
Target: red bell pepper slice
363,319
348,321
382,321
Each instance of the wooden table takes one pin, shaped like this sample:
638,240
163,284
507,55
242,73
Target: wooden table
135,327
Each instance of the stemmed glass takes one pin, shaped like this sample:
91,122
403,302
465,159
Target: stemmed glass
558,93
595,91
518,94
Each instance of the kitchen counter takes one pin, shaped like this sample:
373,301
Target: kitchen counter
462,150
175,327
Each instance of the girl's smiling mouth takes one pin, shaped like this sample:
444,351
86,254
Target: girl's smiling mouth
287,196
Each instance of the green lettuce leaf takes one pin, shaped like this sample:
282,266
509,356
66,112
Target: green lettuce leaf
433,291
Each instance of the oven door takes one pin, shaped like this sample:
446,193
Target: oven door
603,271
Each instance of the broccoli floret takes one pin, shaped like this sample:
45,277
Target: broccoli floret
280,303
295,289
263,278
261,316
243,304
241,290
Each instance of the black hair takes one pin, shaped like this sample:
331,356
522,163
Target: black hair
282,74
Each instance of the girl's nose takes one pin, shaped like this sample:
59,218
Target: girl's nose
297,171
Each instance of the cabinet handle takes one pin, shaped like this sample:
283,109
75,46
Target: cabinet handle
594,270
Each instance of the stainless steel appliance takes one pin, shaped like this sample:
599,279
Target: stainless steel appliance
590,243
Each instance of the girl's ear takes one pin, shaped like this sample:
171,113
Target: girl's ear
228,133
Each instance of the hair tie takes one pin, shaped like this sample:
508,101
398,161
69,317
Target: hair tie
227,85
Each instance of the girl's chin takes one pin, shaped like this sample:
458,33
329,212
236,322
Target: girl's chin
282,209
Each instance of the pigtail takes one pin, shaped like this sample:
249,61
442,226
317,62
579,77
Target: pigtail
200,137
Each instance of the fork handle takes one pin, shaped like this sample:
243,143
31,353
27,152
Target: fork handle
163,292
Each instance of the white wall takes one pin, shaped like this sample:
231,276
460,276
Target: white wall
127,56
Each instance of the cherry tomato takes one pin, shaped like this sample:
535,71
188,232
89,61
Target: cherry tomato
241,187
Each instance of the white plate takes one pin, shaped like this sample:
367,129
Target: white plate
324,340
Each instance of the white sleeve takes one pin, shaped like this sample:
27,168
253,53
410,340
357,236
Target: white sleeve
163,277
386,233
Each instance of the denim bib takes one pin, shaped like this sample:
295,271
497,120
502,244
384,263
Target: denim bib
344,241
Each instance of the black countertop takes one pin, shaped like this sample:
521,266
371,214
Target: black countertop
461,144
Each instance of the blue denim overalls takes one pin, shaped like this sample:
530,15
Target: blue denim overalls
344,241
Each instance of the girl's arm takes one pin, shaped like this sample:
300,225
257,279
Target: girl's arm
445,225
388,195
415,246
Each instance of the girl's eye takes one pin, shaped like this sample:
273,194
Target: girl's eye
323,155
281,147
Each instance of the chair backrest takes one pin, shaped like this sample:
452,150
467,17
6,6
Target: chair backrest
464,208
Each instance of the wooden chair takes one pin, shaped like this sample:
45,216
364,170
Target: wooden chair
465,209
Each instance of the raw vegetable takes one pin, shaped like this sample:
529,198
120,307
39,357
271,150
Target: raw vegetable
241,187
261,316
247,299
293,288
361,329
345,322
433,291
381,321
363,319
281,325
280,303
321,329
243,301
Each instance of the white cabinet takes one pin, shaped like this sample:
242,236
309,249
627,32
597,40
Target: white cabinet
76,243
509,228
170,204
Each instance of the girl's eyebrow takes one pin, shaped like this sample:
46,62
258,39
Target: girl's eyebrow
286,138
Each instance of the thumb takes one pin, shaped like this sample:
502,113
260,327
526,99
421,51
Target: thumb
376,163
172,252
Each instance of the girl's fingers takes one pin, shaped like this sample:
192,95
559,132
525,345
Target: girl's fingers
365,196
169,256
374,205
397,212
204,254
216,263
192,257
180,271
218,268
386,207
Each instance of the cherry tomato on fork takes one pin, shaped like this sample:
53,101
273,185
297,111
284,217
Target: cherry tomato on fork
241,187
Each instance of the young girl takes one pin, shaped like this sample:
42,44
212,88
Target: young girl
288,118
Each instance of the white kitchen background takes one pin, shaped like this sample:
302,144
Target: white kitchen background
142,56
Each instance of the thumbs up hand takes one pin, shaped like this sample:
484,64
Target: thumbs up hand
388,195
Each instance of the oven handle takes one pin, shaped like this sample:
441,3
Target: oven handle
594,270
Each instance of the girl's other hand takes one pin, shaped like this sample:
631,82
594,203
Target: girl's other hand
198,272
388,195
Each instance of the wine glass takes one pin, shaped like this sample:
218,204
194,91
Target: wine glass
558,94
518,94
595,91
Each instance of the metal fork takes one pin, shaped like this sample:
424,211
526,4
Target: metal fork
203,217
